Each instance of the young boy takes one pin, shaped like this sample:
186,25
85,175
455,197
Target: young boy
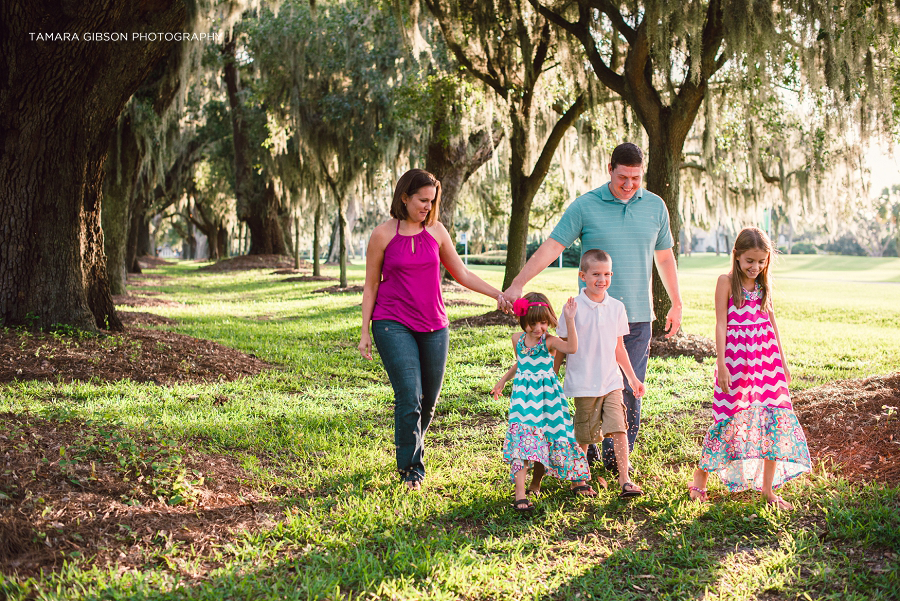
592,374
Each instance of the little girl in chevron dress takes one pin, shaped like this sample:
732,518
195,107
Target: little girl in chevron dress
541,434
756,441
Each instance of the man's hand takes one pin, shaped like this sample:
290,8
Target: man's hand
513,293
673,321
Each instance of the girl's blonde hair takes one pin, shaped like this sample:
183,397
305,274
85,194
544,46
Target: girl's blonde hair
537,313
752,238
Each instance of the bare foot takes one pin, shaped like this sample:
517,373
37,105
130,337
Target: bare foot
413,484
698,494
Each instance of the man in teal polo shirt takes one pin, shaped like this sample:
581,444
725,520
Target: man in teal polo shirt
632,225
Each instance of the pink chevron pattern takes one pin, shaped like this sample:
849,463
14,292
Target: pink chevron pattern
754,362
754,421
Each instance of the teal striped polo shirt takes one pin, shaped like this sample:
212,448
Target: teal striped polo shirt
630,232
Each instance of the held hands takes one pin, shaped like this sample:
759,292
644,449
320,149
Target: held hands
570,308
510,295
504,304
365,346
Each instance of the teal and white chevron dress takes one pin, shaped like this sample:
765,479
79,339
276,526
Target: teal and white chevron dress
540,426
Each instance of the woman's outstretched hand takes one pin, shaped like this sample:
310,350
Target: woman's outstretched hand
504,304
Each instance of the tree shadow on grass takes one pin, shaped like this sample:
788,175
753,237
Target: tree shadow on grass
388,543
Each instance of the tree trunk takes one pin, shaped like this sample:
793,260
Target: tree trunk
350,216
663,179
256,199
137,229
452,163
523,190
296,243
342,241
120,177
317,241
524,186
222,237
58,108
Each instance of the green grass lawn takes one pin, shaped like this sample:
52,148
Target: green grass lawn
323,423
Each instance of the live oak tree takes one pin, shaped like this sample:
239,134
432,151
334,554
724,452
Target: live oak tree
509,47
326,76
660,58
258,205
59,103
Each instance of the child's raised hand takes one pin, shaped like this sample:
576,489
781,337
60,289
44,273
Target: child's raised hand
570,308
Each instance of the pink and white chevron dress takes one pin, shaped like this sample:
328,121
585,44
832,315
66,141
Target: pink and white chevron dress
754,420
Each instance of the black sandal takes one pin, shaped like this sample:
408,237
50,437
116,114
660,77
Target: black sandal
523,505
584,490
626,493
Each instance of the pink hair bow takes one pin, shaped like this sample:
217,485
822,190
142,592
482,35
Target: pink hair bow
521,306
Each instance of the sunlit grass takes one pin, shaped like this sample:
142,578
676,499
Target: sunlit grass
322,422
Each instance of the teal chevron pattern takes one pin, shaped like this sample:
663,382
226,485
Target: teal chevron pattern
537,397
540,427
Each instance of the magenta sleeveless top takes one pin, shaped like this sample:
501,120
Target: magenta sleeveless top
410,288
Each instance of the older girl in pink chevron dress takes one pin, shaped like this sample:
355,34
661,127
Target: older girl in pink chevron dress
756,441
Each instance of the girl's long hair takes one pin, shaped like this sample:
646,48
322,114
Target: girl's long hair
409,183
752,238
538,313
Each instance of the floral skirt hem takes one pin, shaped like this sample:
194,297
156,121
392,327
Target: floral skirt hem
736,448
526,445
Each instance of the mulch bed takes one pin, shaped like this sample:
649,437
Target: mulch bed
138,354
491,318
339,290
290,271
130,300
683,345
51,511
310,278
141,318
148,262
855,423
245,262
460,302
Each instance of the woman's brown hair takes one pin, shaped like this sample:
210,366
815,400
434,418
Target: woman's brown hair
408,184
752,238
537,313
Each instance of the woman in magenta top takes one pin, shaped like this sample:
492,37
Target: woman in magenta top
402,301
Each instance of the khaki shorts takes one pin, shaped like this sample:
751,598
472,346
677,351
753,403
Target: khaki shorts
599,417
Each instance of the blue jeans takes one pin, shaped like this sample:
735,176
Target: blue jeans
415,363
637,343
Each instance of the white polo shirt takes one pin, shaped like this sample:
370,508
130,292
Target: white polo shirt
593,370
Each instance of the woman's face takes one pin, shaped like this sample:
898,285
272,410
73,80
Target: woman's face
419,204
